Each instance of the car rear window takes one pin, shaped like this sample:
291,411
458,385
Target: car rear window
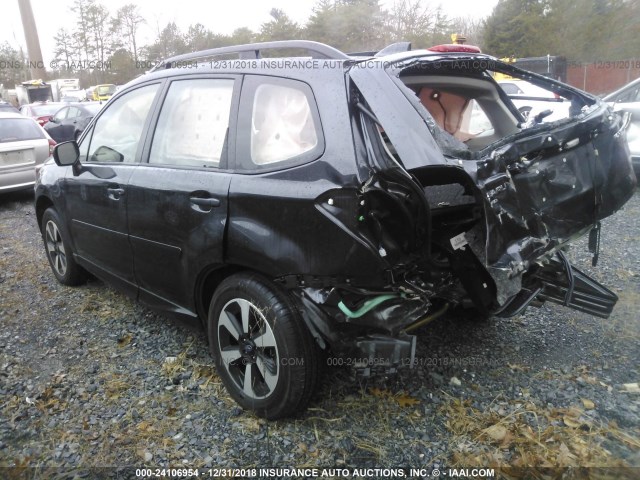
5,107
42,110
19,129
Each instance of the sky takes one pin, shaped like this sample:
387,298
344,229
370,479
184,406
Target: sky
50,15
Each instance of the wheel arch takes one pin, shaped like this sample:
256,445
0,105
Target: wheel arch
208,280
42,203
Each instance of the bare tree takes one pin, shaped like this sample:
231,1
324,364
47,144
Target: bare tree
408,18
421,24
81,34
65,47
97,21
129,20
470,27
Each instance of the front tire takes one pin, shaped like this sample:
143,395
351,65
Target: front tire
264,353
59,253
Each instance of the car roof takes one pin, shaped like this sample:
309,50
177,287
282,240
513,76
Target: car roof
81,105
329,59
46,102
4,114
317,51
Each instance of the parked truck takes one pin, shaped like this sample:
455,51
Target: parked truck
103,92
33,91
62,86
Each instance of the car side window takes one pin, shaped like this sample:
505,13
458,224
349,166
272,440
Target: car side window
61,115
73,113
511,89
282,127
279,123
193,124
476,122
116,134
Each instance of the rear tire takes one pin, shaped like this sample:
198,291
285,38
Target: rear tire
59,253
263,351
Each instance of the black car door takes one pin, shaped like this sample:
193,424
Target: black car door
56,127
177,202
70,124
96,193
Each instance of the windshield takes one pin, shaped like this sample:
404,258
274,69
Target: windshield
19,129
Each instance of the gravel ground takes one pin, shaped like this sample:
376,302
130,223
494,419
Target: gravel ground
89,378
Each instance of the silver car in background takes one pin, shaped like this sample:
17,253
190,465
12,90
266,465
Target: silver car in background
531,100
24,145
627,99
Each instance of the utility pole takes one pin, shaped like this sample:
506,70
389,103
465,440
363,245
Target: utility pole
36,63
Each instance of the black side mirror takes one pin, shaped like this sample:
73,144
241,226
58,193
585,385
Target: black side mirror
66,153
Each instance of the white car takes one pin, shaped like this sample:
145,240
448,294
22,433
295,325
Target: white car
530,99
627,99
24,146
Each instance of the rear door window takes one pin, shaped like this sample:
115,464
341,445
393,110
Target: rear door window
278,125
193,124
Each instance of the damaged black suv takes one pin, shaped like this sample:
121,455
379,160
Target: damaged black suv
331,203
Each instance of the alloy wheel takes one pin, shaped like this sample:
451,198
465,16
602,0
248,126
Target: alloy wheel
248,349
55,248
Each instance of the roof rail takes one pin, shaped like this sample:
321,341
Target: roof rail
252,51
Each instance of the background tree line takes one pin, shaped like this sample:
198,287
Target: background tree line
581,30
